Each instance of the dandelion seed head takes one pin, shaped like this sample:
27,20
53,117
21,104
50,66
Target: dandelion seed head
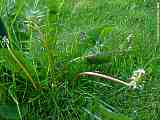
136,77
139,71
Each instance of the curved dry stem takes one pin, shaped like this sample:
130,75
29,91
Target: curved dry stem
93,74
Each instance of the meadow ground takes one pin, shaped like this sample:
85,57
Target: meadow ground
48,44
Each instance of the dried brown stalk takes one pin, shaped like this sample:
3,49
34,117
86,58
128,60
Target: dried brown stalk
93,74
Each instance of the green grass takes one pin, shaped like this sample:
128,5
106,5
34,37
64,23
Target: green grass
49,42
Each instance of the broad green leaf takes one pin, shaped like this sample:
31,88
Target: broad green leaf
99,58
107,115
97,111
8,112
105,31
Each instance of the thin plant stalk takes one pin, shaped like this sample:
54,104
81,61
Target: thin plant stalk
158,23
20,64
15,100
93,74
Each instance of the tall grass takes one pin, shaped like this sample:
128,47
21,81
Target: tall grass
51,42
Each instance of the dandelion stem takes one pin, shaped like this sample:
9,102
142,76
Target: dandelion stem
103,76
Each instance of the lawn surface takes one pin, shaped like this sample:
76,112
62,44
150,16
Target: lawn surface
49,45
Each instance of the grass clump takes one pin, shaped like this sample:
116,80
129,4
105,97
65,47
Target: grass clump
46,44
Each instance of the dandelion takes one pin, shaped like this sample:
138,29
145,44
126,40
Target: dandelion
136,78
134,84
138,74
